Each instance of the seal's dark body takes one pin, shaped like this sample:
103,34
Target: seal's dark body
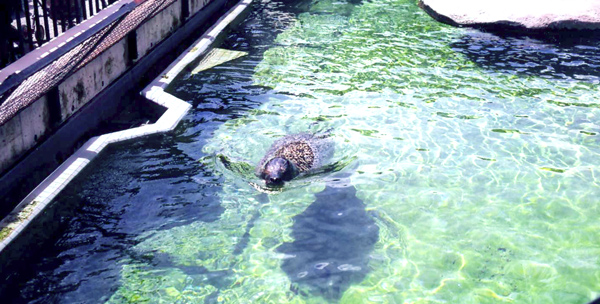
302,152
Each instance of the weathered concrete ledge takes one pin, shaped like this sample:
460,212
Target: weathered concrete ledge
517,15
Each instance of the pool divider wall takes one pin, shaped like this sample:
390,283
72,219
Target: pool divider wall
27,222
36,119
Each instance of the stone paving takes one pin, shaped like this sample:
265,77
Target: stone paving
526,15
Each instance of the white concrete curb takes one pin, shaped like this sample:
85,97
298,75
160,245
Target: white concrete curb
32,205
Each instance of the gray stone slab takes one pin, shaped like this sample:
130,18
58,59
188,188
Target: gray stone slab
526,15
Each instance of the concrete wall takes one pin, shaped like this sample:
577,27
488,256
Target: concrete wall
32,125
197,5
78,89
158,28
23,131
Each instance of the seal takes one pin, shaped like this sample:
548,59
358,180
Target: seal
294,155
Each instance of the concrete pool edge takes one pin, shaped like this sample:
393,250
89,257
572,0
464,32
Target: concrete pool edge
37,200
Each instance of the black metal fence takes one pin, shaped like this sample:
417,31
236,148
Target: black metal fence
27,24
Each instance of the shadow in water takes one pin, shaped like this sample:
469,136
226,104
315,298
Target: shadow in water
100,216
154,185
333,238
566,56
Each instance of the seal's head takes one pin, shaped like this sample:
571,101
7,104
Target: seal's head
278,170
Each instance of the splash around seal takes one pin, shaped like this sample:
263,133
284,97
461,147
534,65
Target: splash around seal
310,156
293,155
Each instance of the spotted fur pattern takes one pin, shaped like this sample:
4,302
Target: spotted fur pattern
299,153
305,150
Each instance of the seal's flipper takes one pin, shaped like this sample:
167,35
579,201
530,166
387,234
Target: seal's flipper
243,168
325,134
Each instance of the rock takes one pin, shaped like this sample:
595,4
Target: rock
519,15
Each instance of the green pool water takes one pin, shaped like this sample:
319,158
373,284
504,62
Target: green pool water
481,180
476,157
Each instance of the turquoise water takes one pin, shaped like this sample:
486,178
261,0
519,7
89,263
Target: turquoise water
468,166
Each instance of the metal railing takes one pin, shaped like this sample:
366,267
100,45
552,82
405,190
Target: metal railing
28,24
